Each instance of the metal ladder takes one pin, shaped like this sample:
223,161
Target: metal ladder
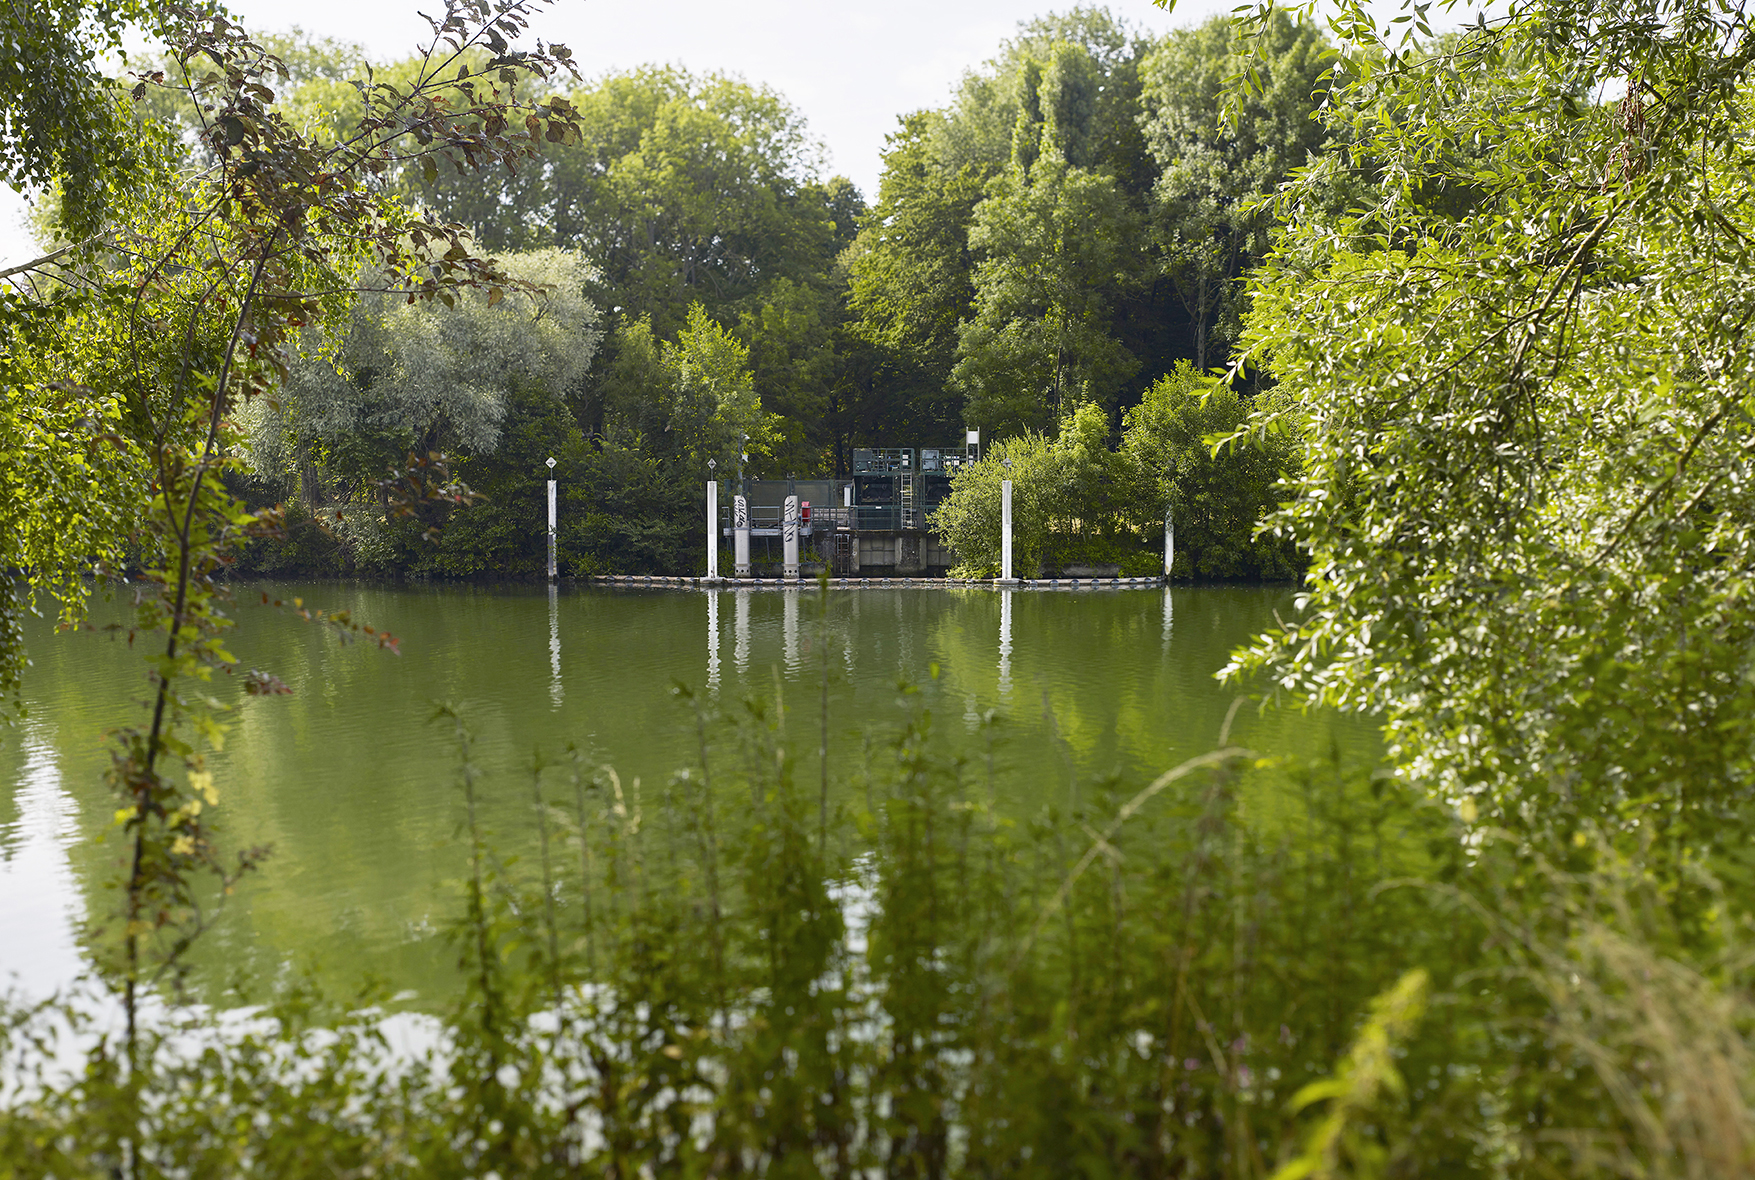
908,518
843,554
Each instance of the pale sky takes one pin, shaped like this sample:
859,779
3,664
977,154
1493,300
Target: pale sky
849,68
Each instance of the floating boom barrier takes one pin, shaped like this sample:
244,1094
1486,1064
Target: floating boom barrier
889,583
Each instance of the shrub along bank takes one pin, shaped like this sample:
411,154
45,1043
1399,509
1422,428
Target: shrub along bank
1077,502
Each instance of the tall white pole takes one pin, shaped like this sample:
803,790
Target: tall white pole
551,528
712,530
789,533
1005,531
740,536
1169,542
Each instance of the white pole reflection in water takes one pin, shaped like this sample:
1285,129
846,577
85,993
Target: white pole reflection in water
39,950
555,695
740,652
1005,643
791,629
713,641
1168,613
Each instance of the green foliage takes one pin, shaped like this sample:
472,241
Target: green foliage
69,472
1075,501
62,122
909,278
690,399
1081,216
703,977
1041,471
1525,422
1217,494
1223,149
1054,241
425,378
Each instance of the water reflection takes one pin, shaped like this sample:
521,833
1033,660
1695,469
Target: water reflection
353,787
555,694
36,878
791,629
713,642
1169,613
1005,645
740,653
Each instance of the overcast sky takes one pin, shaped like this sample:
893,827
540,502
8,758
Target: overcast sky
850,68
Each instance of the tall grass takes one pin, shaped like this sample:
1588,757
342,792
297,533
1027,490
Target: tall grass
742,972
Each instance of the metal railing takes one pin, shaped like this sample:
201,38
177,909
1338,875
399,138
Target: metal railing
768,520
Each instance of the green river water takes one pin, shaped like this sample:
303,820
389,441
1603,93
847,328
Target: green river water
354,786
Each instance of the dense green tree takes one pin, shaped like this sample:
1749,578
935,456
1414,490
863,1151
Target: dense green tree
1073,76
1055,243
978,129
910,281
1525,421
1222,150
1077,500
64,124
688,399
790,337
419,378
1073,501
691,190
1217,496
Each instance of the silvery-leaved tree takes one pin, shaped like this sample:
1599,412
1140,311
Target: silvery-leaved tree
191,302
1519,364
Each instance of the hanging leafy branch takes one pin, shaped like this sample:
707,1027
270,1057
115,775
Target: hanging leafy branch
192,302
1517,361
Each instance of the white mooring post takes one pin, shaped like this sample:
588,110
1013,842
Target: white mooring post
740,536
712,530
789,533
551,522
1169,541
1005,532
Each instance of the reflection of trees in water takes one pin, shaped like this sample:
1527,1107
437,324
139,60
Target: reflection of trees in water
355,790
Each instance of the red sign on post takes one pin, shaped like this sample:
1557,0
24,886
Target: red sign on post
804,511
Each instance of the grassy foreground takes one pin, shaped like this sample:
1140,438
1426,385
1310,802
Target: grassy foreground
1164,979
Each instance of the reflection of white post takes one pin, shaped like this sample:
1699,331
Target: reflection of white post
554,647
789,532
1005,643
740,629
551,527
1169,614
713,640
1005,533
1169,541
740,536
791,626
712,530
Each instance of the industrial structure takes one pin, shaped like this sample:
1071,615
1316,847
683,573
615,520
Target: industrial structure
873,525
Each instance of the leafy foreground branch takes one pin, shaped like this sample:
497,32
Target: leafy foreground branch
707,979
